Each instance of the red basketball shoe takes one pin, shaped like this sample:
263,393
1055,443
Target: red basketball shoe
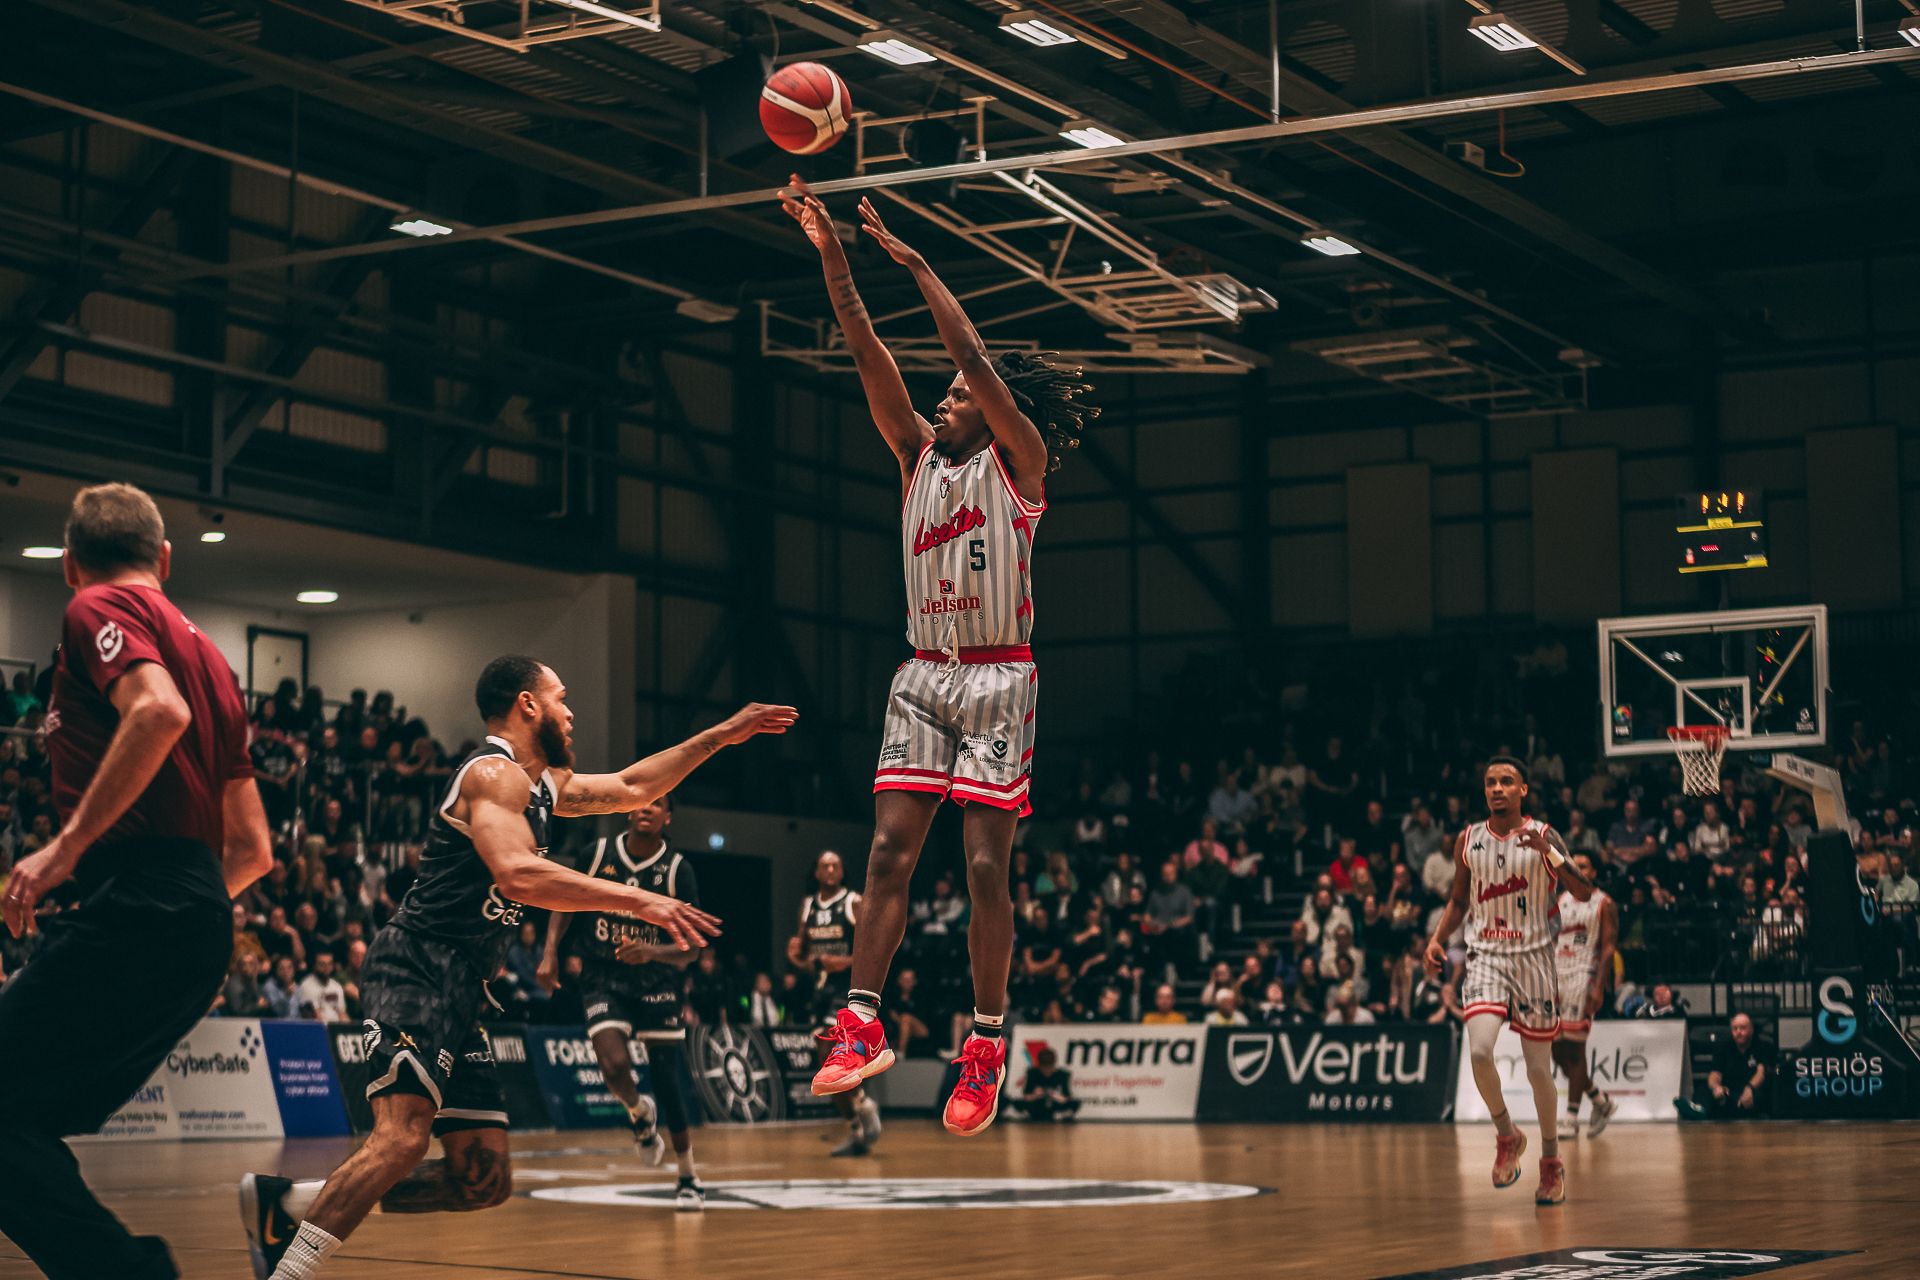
859,1053
1506,1158
976,1099
1553,1182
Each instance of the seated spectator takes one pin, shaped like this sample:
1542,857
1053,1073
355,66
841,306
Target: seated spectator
1897,888
1058,878
321,992
762,1007
1310,992
709,994
1322,914
1226,1009
1275,1009
1422,837
247,939
1046,1094
1206,847
903,1011
1580,837
1168,923
1124,876
282,990
241,997
1666,1003
1737,1085
1712,838
1378,839
1163,1014
1229,807
1107,1007
1347,973
1631,838
1346,1010
521,985
280,938
1341,943
1341,870
1221,979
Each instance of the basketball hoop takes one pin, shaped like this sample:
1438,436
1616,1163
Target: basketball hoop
1700,748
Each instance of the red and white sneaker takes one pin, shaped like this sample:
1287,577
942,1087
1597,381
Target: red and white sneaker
976,1099
859,1053
1506,1158
1553,1181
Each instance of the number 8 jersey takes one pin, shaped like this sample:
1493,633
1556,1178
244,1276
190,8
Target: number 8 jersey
967,543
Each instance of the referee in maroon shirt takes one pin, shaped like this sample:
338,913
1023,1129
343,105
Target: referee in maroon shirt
160,826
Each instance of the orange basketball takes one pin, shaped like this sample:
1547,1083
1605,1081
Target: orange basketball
804,108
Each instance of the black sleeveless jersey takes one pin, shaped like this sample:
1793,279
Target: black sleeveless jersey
596,935
828,925
454,899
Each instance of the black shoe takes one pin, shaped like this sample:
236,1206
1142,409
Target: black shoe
689,1196
269,1228
853,1146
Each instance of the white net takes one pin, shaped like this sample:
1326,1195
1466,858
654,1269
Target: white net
1700,752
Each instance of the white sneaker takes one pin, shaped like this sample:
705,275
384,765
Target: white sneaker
1569,1124
689,1196
869,1113
646,1132
1603,1109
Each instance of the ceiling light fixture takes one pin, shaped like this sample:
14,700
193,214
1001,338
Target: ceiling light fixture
1504,35
889,47
420,227
1328,243
1031,27
1910,31
42,553
1086,133
317,597
213,535
1501,34
649,21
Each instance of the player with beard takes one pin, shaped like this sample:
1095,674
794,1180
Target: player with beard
960,713
425,980
1505,873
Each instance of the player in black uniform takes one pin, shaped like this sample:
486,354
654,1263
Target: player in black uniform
823,945
633,982
424,985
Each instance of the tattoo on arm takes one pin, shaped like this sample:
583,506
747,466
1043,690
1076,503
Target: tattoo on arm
438,1187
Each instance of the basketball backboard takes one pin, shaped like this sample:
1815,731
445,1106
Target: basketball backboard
1760,672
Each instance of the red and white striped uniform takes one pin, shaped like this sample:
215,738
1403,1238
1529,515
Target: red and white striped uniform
1512,917
960,712
1574,957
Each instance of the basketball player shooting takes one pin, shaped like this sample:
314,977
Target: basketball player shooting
431,1066
1506,875
960,713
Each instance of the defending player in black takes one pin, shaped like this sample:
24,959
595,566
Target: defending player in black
633,984
426,974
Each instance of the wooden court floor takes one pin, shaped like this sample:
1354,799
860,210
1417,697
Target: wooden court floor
1337,1202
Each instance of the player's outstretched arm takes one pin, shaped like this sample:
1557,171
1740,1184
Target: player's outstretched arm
1021,443
906,432
495,792
644,781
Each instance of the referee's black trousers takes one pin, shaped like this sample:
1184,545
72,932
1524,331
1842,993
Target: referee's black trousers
112,988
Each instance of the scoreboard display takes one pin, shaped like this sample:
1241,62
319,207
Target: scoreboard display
1722,530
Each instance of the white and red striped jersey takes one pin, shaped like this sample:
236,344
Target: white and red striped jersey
1579,941
1512,897
966,538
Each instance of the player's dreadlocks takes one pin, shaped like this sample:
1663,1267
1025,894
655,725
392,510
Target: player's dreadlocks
1049,394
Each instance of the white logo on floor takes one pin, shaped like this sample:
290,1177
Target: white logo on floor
910,1193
